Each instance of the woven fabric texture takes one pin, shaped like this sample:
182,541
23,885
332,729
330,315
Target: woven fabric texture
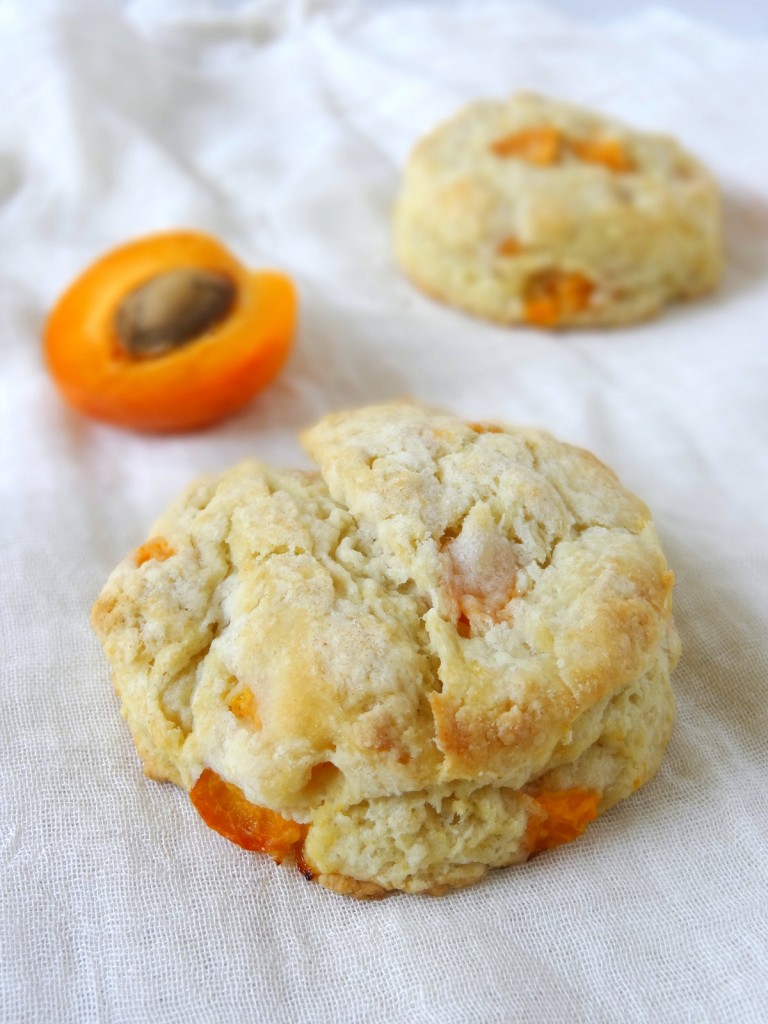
282,128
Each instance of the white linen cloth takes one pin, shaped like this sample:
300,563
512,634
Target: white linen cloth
282,128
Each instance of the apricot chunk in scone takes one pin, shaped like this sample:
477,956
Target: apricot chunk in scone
567,813
225,809
168,333
552,295
608,152
542,146
156,549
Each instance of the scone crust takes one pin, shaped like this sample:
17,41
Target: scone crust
401,650
480,230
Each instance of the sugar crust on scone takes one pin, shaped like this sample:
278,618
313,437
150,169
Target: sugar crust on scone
402,650
604,227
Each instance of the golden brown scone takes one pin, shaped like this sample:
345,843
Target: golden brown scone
534,211
447,650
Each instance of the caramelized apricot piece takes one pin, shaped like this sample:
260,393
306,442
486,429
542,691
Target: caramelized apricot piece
169,333
156,549
541,146
608,152
486,428
224,808
568,812
508,247
555,294
243,705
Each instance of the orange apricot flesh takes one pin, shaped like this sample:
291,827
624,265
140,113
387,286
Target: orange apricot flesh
243,705
541,146
509,247
546,145
184,386
567,814
224,808
608,152
156,549
554,295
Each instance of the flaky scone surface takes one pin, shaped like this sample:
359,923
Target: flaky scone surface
407,652
534,211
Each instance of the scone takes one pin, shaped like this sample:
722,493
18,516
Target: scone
534,211
447,650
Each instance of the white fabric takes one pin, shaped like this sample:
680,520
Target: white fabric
281,128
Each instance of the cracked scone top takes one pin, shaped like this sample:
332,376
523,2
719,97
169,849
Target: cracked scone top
534,211
448,649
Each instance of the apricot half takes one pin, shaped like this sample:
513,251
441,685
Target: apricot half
168,333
